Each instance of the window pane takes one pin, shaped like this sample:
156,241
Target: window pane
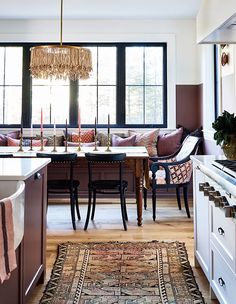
53,98
14,60
134,65
12,111
2,52
134,105
144,68
154,65
107,65
10,84
107,104
88,103
153,105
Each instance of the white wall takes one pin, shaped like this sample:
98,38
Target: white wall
180,36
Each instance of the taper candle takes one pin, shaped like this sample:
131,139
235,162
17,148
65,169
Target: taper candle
31,131
79,120
41,120
54,127
95,128
108,126
21,126
66,129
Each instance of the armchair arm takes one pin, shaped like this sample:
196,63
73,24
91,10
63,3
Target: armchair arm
160,158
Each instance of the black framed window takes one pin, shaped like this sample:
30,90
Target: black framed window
129,82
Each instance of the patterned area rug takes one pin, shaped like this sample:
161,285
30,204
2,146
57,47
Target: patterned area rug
143,272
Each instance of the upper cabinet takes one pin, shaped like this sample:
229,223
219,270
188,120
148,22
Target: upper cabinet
216,22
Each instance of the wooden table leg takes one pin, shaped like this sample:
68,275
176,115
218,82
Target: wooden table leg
139,198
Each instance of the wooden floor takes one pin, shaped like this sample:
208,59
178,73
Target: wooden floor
171,224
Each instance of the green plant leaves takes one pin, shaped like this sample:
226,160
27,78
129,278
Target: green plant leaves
225,126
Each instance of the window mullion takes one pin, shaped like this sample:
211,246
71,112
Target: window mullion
121,87
26,89
73,104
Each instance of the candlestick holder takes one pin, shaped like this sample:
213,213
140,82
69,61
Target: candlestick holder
31,144
79,141
21,144
108,143
54,144
41,139
95,143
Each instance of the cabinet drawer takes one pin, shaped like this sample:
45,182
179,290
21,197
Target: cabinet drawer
223,280
223,234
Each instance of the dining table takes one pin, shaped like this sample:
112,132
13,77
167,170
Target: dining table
136,159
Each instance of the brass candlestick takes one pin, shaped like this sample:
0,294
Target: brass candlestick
54,143
108,143
31,144
95,143
21,143
79,147
41,139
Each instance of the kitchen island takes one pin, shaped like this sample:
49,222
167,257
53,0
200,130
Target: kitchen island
215,224
31,251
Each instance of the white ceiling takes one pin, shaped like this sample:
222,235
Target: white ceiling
99,9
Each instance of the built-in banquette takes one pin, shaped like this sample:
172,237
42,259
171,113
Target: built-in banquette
215,224
31,251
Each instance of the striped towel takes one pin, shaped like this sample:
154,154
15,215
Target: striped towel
7,252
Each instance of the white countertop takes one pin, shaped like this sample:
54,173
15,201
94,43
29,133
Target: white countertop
20,168
204,163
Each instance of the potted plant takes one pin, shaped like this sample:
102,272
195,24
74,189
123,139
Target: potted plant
225,135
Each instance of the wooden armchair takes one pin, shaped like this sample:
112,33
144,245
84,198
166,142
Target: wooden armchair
173,171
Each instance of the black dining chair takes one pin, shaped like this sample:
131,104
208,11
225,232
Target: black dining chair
173,171
6,155
106,186
64,186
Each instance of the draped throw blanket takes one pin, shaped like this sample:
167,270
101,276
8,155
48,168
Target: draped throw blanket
7,252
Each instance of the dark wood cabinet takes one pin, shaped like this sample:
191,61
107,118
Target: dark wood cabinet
31,253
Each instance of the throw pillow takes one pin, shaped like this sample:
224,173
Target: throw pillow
169,143
102,138
59,140
12,142
119,141
85,136
147,139
3,140
14,134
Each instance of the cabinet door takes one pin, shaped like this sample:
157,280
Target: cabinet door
201,224
34,246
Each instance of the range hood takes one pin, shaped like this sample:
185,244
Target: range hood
226,33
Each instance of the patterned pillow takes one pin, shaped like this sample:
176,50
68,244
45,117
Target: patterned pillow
119,141
59,140
76,144
86,136
3,140
169,143
12,142
147,139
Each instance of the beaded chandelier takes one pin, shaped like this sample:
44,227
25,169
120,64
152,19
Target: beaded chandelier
60,61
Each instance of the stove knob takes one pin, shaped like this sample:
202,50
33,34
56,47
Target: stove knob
207,189
230,211
202,185
220,201
212,195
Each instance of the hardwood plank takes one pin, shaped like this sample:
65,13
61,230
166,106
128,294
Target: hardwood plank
171,224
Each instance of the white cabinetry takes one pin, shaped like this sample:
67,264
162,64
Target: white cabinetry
215,235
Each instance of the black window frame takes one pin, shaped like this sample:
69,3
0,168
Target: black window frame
73,105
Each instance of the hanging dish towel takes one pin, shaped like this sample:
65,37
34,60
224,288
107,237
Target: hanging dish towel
7,252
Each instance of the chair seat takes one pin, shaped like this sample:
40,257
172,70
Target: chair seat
62,184
109,184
